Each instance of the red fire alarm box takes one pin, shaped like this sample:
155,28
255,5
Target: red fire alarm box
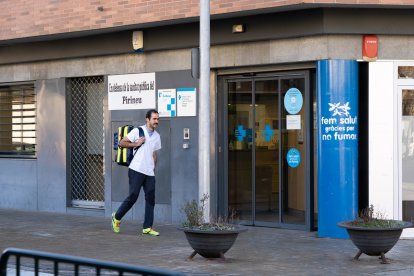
370,47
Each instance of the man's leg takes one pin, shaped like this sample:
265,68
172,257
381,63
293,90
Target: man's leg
149,189
136,180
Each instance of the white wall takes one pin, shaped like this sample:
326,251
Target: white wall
381,137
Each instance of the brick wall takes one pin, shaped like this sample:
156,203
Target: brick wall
27,18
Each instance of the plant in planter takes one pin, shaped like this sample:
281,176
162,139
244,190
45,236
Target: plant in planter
373,234
210,240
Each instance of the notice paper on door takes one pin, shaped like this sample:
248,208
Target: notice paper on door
293,122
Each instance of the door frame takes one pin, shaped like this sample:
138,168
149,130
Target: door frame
222,146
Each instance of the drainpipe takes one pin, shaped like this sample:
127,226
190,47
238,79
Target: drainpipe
204,107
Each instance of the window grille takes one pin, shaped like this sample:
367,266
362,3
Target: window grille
86,97
18,120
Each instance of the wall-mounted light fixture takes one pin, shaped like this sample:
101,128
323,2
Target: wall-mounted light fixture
238,28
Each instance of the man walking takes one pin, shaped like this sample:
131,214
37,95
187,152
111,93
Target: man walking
141,172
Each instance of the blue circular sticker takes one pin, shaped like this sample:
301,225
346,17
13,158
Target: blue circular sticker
293,158
293,101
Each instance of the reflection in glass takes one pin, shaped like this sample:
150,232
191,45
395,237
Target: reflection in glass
315,150
407,143
406,72
267,151
17,120
240,149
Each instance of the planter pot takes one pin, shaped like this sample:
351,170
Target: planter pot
211,243
374,241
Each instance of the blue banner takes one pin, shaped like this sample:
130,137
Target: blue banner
337,119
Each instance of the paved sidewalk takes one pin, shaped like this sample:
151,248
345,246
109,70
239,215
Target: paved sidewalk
259,251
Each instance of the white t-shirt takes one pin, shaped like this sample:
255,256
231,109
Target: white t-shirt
143,160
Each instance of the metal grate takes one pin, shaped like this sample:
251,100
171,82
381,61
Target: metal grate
87,141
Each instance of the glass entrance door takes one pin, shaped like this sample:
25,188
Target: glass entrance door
266,150
406,122
239,140
293,148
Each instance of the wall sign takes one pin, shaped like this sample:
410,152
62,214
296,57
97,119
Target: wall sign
340,123
186,102
132,91
167,103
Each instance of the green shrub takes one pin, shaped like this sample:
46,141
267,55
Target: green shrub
369,219
194,214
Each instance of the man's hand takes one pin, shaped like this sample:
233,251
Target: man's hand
139,142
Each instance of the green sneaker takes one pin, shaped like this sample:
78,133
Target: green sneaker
115,224
150,231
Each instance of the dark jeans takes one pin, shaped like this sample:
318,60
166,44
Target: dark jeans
136,180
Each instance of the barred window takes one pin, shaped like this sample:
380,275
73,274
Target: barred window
17,120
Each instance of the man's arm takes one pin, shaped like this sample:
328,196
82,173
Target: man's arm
154,155
126,143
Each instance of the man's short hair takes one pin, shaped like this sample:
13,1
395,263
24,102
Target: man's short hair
149,113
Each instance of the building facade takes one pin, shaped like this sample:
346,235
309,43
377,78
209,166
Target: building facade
304,131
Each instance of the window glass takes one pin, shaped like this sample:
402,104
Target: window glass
17,120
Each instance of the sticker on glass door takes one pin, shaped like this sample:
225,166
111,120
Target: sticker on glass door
293,158
293,101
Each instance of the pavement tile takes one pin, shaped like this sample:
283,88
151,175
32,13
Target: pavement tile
259,251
